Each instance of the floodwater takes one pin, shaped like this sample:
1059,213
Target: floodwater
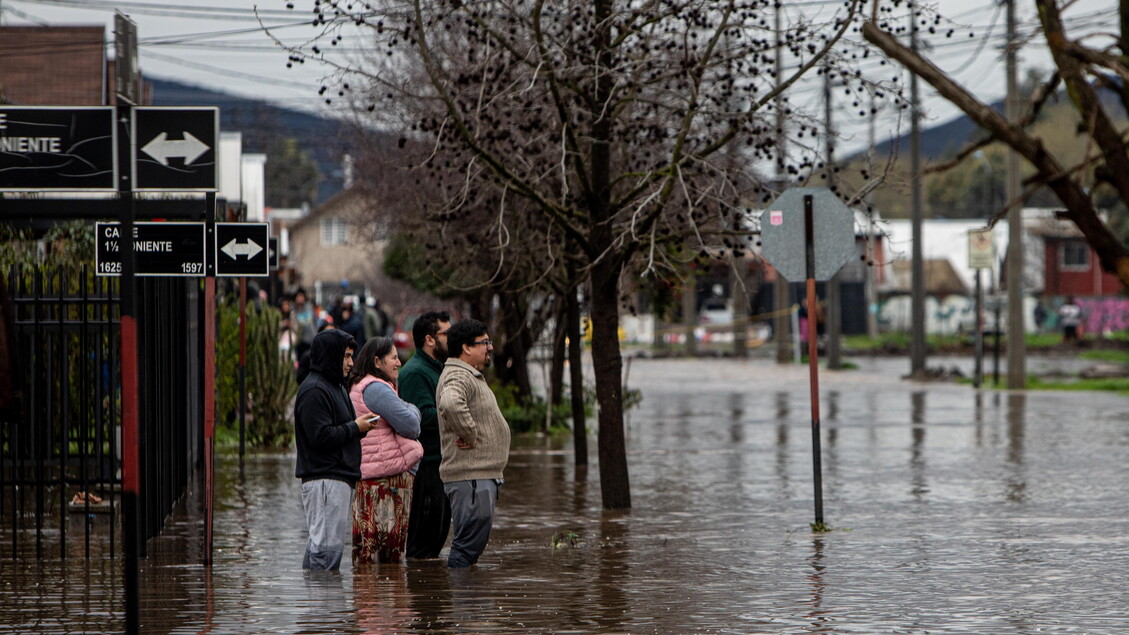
953,511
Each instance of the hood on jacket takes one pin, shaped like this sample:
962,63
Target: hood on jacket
327,352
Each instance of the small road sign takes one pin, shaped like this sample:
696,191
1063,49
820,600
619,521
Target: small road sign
981,248
272,252
241,249
160,249
782,233
57,149
174,149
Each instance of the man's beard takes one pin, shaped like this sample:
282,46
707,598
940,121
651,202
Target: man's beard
489,361
441,353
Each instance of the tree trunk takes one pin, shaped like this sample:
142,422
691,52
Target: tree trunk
607,365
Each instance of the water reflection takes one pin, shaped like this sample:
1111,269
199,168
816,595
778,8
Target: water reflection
818,617
918,483
1016,413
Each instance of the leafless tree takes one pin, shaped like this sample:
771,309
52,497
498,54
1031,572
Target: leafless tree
1084,67
590,128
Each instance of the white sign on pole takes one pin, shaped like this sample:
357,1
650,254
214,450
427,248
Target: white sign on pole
981,248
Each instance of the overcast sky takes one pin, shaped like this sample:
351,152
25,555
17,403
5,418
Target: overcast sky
220,44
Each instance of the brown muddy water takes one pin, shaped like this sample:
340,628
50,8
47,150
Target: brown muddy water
953,511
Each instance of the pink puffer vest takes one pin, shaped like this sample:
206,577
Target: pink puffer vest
383,452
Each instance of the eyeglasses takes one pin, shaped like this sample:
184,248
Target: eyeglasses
485,342
441,333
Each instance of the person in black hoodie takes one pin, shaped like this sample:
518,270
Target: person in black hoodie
328,437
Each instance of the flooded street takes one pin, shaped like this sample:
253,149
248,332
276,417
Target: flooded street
952,511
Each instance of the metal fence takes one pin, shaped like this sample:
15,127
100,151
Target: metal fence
60,443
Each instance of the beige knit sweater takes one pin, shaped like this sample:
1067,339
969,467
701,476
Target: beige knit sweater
467,409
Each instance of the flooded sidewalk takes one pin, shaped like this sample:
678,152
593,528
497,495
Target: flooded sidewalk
952,510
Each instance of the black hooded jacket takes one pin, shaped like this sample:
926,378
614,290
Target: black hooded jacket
327,436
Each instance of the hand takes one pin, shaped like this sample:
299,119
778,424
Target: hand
461,444
365,423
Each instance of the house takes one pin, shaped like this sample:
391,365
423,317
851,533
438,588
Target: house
331,253
1070,265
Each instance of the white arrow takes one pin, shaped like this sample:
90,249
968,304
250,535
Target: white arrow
162,148
234,249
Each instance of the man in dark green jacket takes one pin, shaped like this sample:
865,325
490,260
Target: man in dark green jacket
430,517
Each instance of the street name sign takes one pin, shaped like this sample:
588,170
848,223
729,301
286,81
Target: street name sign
174,149
833,236
160,249
241,249
57,149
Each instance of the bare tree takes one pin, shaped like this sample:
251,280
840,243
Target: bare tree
1085,67
594,124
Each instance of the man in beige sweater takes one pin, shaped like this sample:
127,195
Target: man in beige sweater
475,439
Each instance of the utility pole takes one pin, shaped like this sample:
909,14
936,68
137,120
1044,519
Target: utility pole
1016,327
917,310
780,288
834,308
871,282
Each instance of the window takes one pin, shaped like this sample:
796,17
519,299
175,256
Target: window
334,231
1075,255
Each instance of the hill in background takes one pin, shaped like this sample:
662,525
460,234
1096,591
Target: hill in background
261,122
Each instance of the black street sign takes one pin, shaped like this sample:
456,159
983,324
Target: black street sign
160,249
273,251
174,149
57,149
241,249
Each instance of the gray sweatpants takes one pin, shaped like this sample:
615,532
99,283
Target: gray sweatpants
329,514
472,516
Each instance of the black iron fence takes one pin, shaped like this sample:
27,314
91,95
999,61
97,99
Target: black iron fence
60,441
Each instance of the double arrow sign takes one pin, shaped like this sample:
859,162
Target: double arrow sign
172,149
178,249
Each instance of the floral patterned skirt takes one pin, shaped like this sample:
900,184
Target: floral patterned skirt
380,518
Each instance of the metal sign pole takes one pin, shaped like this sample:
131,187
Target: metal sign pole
813,357
130,459
209,383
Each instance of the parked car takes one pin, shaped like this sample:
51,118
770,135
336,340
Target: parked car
715,312
402,335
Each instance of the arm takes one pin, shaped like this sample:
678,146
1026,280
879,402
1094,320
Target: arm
455,409
315,415
401,415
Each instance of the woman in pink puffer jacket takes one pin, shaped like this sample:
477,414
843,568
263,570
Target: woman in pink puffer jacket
389,455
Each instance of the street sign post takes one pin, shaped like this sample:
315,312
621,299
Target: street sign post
809,234
241,249
174,149
57,149
160,249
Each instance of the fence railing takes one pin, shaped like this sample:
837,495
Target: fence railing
60,442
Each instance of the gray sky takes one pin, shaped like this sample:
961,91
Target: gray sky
219,44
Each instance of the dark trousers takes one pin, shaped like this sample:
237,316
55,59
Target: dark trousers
430,517
472,513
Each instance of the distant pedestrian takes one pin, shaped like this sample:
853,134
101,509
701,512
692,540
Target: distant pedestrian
327,434
389,454
475,439
1070,318
350,321
419,378
374,323
305,322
